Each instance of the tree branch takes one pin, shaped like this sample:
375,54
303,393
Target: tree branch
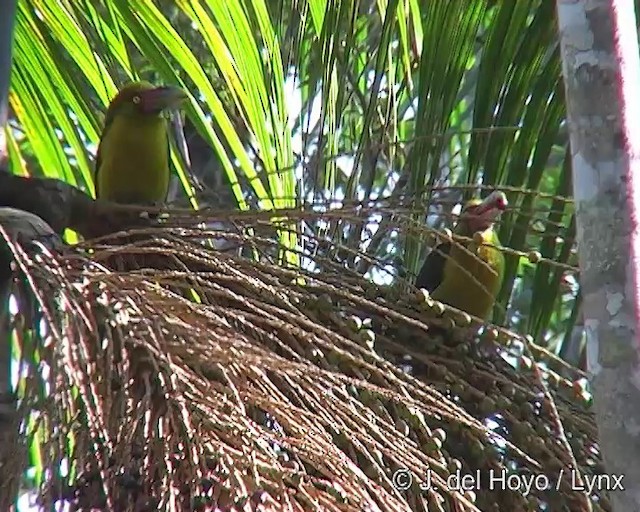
62,206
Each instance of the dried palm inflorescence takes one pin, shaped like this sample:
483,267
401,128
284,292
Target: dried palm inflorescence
181,377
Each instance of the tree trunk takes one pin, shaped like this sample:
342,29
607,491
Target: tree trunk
602,72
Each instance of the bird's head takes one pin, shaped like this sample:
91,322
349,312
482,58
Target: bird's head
480,214
144,99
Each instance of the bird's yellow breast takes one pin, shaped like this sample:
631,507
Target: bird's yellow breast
133,164
472,280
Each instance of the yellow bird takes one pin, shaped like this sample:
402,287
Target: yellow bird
132,164
468,275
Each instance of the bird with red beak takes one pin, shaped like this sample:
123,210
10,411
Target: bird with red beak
467,274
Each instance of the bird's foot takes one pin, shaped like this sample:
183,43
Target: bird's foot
153,205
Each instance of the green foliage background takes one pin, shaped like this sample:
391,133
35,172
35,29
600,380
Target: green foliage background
295,102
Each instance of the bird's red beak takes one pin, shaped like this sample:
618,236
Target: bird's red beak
162,98
495,203
485,214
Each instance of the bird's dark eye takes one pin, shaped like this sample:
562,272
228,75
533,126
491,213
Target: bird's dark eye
136,99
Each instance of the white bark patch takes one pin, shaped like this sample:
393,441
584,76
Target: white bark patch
632,426
622,321
572,20
588,185
591,332
614,303
587,57
617,316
